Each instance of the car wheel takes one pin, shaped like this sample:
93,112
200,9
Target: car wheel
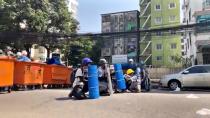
174,84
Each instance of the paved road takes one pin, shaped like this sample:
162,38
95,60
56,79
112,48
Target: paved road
55,104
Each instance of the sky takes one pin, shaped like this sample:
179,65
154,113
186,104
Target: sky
89,12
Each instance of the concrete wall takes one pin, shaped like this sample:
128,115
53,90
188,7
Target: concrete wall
158,73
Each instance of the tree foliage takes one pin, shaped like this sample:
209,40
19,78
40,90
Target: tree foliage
44,16
38,16
77,49
48,16
96,50
186,62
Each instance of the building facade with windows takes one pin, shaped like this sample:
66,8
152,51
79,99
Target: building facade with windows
189,8
198,40
164,46
125,44
202,34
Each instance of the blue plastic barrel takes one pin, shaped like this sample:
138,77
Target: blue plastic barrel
93,84
119,76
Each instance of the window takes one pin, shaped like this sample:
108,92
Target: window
182,40
190,15
197,69
190,36
157,7
188,44
173,46
158,20
172,18
158,33
172,58
159,58
183,53
173,32
172,5
159,46
207,68
182,47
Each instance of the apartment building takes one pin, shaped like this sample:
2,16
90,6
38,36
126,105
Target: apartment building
198,40
202,34
189,8
124,44
161,48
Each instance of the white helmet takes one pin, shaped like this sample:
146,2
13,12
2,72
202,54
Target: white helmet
103,61
19,54
24,53
130,60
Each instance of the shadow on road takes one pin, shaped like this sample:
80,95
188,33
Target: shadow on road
63,98
4,93
183,91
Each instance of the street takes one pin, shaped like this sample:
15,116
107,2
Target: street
55,104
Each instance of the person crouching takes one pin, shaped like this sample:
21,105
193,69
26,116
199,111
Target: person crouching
103,77
133,82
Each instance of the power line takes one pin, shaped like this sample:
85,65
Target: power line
178,28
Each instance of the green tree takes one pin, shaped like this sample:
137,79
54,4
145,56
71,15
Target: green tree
45,16
96,50
78,49
40,16
186,62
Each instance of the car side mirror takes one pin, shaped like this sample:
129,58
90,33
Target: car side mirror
186,72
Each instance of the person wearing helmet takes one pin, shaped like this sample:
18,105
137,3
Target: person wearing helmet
55,59
131,61
103,77
80,84
132,81
24,57
101,70
130,65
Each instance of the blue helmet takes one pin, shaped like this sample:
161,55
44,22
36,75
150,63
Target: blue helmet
86,61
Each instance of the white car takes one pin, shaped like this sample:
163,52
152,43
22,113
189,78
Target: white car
195,76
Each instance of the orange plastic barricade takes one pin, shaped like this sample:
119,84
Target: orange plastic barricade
28,73
57,75
6,72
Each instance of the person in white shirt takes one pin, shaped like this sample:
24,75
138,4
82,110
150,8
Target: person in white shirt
81,80
103,77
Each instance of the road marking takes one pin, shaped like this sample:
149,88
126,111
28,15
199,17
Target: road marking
203,112
192,96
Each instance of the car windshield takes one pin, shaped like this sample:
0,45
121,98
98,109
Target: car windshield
196,69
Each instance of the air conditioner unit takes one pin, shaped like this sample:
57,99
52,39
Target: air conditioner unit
106,52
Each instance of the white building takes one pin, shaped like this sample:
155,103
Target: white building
38,53
72,5
189,9
194,40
